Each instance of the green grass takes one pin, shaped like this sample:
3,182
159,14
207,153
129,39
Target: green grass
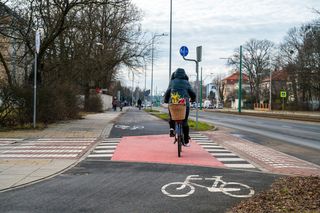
202,126
151,110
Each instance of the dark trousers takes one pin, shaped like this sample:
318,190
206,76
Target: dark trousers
184,124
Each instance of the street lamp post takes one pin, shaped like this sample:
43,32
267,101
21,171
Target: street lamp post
240,81
170,46
152,49
201,80
270,91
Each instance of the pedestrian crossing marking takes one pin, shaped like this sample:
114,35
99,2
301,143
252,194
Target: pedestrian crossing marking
47,148
105,149
100,156
223,154
240,166
229,159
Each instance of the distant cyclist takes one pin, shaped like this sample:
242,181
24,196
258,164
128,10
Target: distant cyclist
139,103
180,83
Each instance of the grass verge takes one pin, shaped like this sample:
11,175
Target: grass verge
202,126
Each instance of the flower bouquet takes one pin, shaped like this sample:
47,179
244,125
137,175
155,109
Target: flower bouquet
177,107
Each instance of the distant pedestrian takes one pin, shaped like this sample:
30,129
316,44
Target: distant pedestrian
114,104
139,103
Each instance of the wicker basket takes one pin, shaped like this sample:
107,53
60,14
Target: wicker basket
177,111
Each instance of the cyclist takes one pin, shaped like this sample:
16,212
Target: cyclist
179,83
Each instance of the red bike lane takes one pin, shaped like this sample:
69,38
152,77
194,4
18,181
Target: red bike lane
161,149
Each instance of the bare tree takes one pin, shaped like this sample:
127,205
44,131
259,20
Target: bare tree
256,62
300,57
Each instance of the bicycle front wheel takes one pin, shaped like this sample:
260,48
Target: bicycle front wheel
234,189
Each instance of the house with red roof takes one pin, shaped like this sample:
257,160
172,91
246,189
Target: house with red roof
231,84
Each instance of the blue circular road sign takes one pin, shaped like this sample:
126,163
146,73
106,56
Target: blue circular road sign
184,51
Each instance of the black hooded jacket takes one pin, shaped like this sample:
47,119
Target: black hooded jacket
179,83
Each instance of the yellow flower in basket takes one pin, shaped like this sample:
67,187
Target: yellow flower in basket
175,97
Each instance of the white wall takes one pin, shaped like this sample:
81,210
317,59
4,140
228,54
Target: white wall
106,101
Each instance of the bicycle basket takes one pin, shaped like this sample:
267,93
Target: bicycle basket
177,111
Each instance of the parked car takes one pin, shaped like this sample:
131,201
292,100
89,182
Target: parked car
219,106
207,104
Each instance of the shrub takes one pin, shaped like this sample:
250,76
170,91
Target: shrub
54,103
94,104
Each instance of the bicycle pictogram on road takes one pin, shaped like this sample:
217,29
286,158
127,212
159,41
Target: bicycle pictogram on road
124,127
187,187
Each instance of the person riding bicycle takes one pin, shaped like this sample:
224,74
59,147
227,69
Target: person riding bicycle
179,83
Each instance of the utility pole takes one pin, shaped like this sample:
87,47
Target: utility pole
152,50
201,90
240,81
170,48
270,91
36,52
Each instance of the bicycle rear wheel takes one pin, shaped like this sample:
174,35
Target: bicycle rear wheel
180,138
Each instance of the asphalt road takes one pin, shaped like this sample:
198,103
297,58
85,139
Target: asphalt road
108,186
296,138
100,186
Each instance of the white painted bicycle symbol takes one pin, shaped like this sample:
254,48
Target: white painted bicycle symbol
128,127
186,188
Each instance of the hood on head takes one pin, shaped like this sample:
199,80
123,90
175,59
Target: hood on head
181,74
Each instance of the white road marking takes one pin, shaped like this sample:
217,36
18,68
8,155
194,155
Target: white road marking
100,155
103,151
103,147
230,159
223,154
217,150
41,151
48,147
108,144
35,155
246,166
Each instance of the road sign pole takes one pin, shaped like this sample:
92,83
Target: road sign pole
35,90
37,49
184,52
201,90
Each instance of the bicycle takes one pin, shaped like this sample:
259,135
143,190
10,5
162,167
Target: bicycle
187,187
178,113
179,136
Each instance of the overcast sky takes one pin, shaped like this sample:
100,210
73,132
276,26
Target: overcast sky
218,26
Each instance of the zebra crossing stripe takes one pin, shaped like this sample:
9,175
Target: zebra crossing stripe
48,147
213,146
240,166
38,156
105,149
41,151
223,154
108,143
100,155
230,159
217,150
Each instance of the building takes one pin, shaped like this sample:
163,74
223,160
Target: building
231,84
212,92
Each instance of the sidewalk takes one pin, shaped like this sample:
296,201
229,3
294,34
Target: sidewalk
16,172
